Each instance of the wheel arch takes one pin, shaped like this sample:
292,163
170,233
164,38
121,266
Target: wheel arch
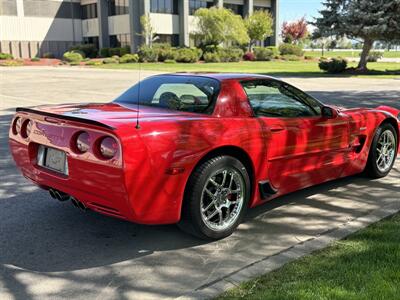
395,124
234,151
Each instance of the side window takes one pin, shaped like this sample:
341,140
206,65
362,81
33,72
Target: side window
270,98
181,96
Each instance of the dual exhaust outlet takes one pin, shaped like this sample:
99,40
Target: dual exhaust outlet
61,196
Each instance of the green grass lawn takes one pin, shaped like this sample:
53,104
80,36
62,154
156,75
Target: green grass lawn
355,54
273,68
366,265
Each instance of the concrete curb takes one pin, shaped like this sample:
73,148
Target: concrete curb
273,262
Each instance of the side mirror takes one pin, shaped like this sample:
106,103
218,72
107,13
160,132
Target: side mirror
329,112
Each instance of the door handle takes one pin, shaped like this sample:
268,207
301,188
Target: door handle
277,128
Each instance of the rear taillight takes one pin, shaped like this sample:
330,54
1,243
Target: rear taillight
82,142
108,147
17,124
26,128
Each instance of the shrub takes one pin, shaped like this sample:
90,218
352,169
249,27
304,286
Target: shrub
164,46
211,48
289,49
264,54
307,57
12,63
105,52
48,55
90,50
94,63
79,52
170,61
249,56
35,59
374,56
129,58
187,55
291,57
110,60
230,54
119,51
166,54
5,56
211,57
198,51
72,57
74,63
147,54
333,65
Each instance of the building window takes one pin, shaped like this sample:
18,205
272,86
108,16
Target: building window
120,40
164,6
53,9
89,11
236,8
262,8
172,39
196,4
118,7
8,7
91,40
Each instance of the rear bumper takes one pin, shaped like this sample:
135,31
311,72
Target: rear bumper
99,187
103,188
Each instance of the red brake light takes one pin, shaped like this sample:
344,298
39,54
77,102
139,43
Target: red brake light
82,142
16,128
26,128
108,147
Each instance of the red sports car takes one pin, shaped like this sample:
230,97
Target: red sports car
198,149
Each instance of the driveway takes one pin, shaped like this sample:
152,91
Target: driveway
52,250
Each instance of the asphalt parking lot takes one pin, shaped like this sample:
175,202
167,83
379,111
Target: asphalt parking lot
52,250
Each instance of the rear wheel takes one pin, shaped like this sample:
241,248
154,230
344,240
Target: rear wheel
383,152
217,196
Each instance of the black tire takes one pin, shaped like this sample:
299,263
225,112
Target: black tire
191,220
372,169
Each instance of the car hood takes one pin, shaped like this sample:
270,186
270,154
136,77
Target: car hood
110,114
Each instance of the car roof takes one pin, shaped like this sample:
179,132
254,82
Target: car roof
221,76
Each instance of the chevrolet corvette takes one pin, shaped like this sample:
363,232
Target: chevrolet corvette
198,149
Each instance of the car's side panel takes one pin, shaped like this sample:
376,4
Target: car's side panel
363,126
305,148
159,162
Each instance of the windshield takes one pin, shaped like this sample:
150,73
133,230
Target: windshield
191,94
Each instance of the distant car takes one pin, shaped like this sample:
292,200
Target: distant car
198,149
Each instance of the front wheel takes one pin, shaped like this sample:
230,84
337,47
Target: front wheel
216,199
383,152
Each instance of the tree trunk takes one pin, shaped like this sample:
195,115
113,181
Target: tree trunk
362,65
250,45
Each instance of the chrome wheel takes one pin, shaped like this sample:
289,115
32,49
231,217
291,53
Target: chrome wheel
222,199
386,151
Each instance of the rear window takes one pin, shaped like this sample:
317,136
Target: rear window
190,94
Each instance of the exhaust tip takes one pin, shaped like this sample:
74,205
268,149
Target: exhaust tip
82,206
60,196
52,194
74,202
78,204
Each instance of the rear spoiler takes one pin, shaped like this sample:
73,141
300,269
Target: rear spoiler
69,118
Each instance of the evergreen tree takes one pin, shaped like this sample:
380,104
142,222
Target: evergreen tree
369,20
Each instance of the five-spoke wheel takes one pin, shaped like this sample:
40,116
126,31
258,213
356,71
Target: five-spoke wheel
216,198
383,151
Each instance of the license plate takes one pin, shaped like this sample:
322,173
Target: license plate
52,159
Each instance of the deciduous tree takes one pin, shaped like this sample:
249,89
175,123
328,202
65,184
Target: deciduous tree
259,26
295,31
219,25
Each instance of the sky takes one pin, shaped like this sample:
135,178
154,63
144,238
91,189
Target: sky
291,10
